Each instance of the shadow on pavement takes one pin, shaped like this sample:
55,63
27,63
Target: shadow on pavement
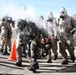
3,57
9,66
66,69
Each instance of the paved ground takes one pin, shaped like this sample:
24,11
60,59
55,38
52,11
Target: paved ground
55,68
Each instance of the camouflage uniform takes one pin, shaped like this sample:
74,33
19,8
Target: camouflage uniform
26,36
32,42
20,40
4,37
50,24
66,29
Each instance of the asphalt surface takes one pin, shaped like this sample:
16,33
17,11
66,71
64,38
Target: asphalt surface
9,67
55,68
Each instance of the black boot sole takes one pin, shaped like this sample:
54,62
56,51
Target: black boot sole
32,69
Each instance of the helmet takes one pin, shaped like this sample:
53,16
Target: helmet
63,12
20,23
6,18
50,15
42,17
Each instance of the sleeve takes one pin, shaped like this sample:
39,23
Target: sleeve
56,28
46,24
73,23
1,26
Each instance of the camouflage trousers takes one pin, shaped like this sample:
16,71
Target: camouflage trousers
53,49
67,46
5,43
32,52
19,54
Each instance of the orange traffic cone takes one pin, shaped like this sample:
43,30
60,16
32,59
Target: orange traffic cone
13,51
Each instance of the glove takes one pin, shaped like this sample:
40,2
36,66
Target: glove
73,31
56,38
21,44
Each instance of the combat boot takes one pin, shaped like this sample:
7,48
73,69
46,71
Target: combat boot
65,62
72,58
55,57
1,51
5,52
34,67
18,63
49,61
